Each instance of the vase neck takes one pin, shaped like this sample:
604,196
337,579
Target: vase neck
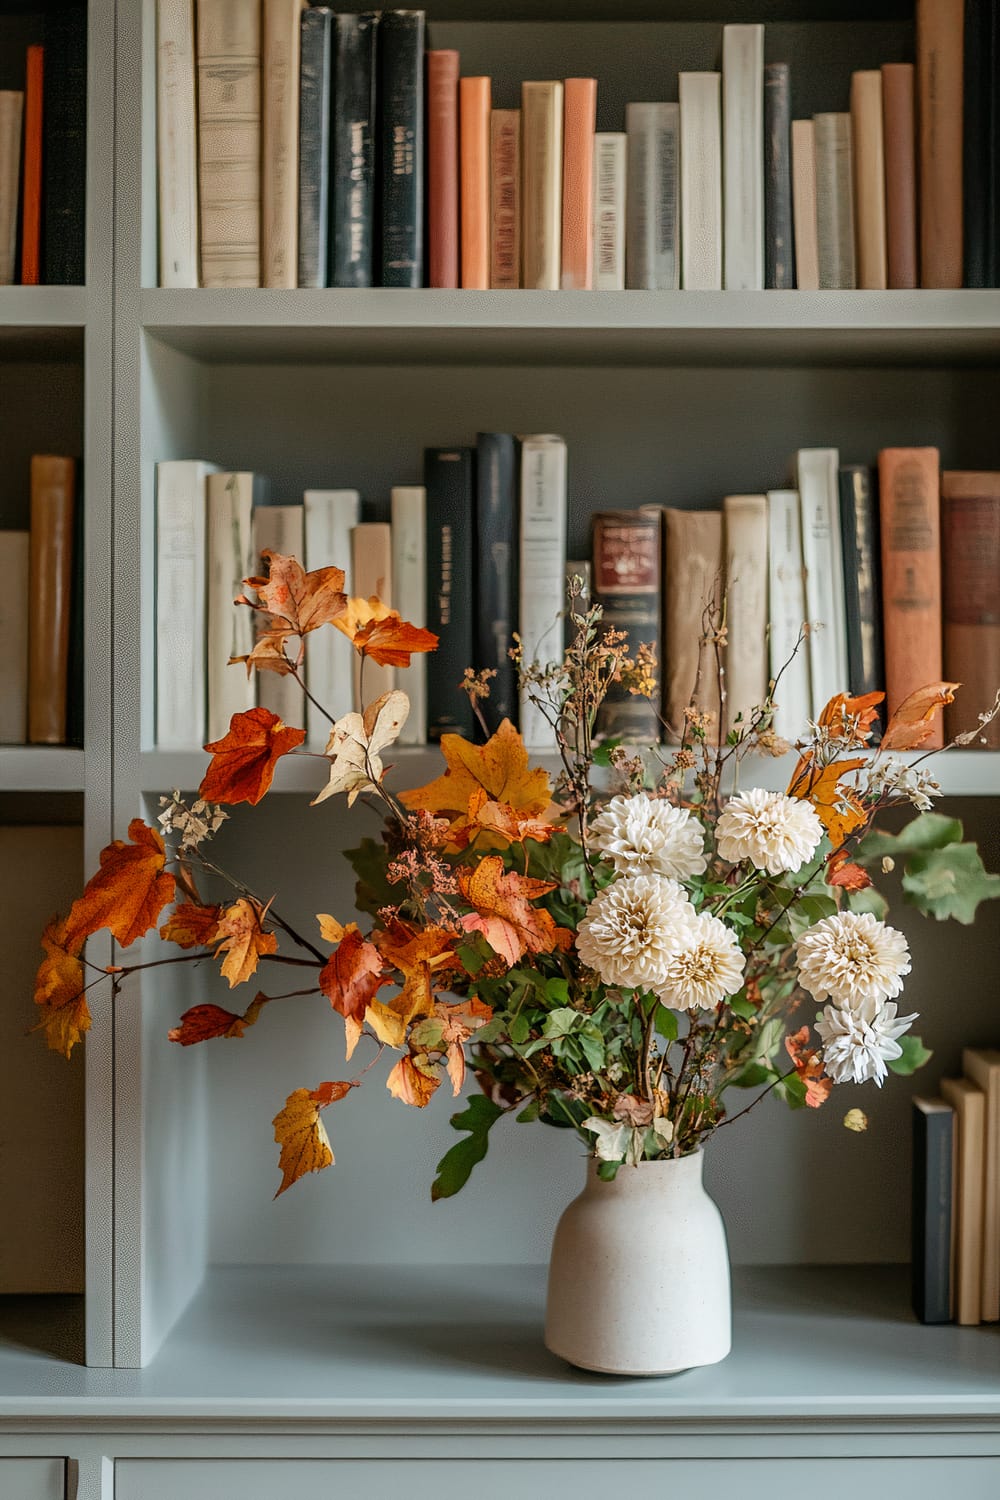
672,1176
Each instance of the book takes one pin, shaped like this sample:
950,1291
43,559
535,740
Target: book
31,172
541,184
970,551
610,149
981,1065
701,181
449,482
229,498
315,139
786,613
505,198
652,196
779,265
281,529
181,690
474,174
53,486
371,576
910,522
626,583
229,141
329,516
442,169
899,131
868,158
693,562
579,123
65,146
497,549
281,43
834,201
11,114
75,658
352,191
14,566
940,29
409,596
541,569
401,137
933,1222
861,550
981,145
743,156
969,1104
806,230
176,144
745,520
819,497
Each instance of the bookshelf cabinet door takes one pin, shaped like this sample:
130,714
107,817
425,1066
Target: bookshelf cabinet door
33,1478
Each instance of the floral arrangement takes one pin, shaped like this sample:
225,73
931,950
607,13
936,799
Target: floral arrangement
612,953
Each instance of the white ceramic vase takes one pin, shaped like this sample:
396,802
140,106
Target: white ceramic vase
639,1273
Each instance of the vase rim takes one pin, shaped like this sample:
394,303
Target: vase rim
664,1162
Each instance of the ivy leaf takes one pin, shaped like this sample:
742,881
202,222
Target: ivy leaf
453,1170
914,1055
928,831
949,882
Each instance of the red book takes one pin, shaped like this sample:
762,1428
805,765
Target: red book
910,509
970,544
474,156
31,211
940,41
579,119
442,168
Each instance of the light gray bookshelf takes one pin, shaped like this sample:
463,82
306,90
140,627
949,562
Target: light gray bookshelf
41,768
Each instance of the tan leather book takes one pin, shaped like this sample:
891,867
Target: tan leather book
579,122
474,103
804,205
15,547
909,506
541,184
692,592
970,554
53,485
229,140
981,1066
442,167
371,573
505,198
940,42
969,1104
869,179
282,34
11,114
899,129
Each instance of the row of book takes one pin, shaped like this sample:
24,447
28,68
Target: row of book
956,1195
43,157
41,613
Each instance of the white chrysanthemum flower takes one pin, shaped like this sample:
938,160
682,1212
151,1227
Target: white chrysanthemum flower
648,836
706,968
852,957
632,928
859,1040
774,832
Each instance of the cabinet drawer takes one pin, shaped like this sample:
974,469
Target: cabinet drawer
33,1478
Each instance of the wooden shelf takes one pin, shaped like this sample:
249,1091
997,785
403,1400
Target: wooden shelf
41,768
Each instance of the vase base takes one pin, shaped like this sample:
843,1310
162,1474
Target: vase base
625,1372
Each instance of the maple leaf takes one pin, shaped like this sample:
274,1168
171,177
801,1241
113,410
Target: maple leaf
425,959
842,708
243,761
128,892
412,1083
510,823
500,768
912,722
301,1134
243,940
358,614
503,913
841,872
297,602
268,655
356,742
809,1066
59,985
203,1022
191,926
352,974
392,641
838,807
458,1023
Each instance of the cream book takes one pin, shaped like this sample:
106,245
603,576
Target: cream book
743,156
14,550
371,573
229,45
181,596
786,615
229,626
868,157
280,528
981,1066
176,143
542,568
701,181
609,211
409,588
969,1104
745,519
282,50
541,185
804,205
819,500
329,517
692,593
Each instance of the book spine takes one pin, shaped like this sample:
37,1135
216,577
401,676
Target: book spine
352,198
371,575
804,205
745,520
970,549
819,498
579,122
329,517
409,595
789,655
609,210
51,571
474,174
652,259
496,570
743,160
701,181
176,144
31,180
448,479
834,202
940,30
982,1067
75,664
505,199
314,145
65,130
14,563
282,39
862,584
229,498
401,135
693,559
899,132
979,188
11,114
626,583
181,580
442,169
541,184
868,157
779,270
933,1185
541,568
279,529
229,141
970,1131
909,506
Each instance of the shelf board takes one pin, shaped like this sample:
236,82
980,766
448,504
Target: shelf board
41,768
42,322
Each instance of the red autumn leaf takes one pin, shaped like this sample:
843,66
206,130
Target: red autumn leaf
809,1067
352,974
913,720
191,926
243,762
243,940
503,911
63,1011
392,641
841,872
203,1022
297,601
842,708
413,1084
301,1134
128,892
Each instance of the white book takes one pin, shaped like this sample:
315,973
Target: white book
542,568
786,614
176,143
824,568
609,211
743,156
181,584
409,594
745,520
14,548
11,115
652,231
330,516
371,574
230,626
701,181
280,528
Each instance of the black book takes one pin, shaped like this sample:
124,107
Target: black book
352,200
401,146
778,257
981,145
64,189
627,582
449,478
497,533
859,535
314,145
933,1226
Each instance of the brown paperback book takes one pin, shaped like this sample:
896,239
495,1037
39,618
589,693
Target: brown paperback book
869,179
53,483
981,1066
474,173
969,1104
692,592
909,507
940,34
505,198
626,583
970,547
579,120
442,168
899,128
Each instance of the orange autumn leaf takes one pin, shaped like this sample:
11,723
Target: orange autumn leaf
204,1022
392,641
424,959
837,806
512,824
268,655
301,1134
243,761
842,708
809,1066
459,1023
840,871
297,602
413,1084
191,926
244,940
127,894
358,614
503,911
500,768
64,1015
912,722
352,974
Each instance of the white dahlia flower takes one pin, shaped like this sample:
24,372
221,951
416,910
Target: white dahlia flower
774,832
632,928
852,957
859,1040
648,836
706,968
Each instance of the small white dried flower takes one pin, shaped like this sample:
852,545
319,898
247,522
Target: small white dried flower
852,957
193,825
775,832
632,928
649,836
859,1040
891,777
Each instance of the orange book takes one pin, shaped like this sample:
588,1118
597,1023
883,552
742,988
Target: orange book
474,104
505,198
50,582
910,511
31,199
940,40
900,131
579,122
442,168
970,548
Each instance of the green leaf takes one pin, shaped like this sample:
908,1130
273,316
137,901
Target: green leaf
914,1055
815,908
666,1023
607,1171
373,891
601,754
792,1090
741,1006
492,1031
927,831
455,1166
428,1034
529,1113
562,1022
472,957
557,990
518,1030
869,900
949,882
751,1075
592,1045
